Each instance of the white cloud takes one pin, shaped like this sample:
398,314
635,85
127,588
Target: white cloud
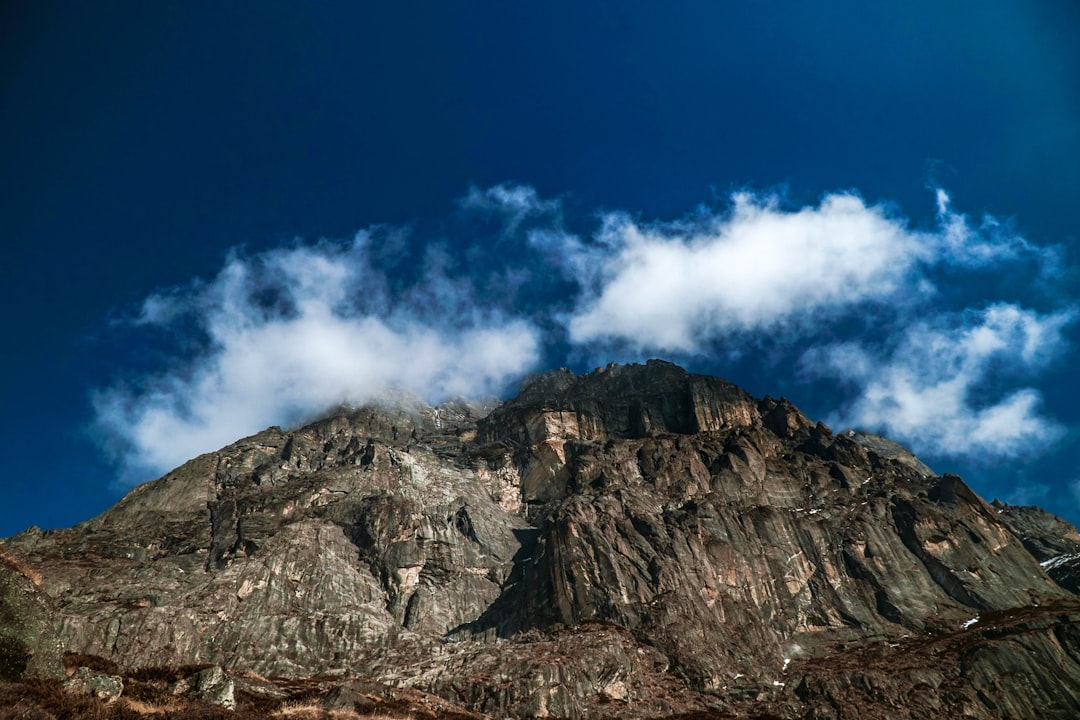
679,286
293,332
933,387
281,335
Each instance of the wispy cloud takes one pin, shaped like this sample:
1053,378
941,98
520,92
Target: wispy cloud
515,202
938,385
959,242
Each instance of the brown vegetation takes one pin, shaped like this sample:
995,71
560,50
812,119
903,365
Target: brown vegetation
73,660
149,693
47,700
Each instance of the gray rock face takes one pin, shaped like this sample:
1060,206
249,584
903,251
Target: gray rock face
1044,535
29,645
635,542
1051,540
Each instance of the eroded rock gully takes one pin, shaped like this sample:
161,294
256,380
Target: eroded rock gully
635,542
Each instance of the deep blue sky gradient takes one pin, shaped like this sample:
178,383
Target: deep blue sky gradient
142,141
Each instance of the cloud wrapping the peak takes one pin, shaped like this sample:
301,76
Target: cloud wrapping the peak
293,332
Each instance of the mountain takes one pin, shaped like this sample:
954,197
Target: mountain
634,542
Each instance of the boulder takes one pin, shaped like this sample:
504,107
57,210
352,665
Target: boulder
100,685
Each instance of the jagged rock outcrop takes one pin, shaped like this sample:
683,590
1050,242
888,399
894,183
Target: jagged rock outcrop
1045,536
634,542
1053,541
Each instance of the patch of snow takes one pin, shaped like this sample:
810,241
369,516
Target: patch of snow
787,661
969,623
737,676
1059,560
777,683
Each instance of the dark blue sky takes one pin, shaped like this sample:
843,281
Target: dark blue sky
145,144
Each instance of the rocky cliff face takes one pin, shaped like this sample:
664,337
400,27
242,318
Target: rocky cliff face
635,542
28,640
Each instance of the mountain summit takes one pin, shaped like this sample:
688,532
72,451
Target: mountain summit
638,541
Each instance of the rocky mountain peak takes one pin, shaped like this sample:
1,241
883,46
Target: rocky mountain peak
637,541
619,402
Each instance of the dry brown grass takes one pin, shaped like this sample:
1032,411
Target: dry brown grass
305,711
50,698
148,695
73,660
47,700
17,564
251,675
147,708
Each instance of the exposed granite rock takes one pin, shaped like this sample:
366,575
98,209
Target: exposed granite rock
1045,535
990,667
1052,541
886,448
29,645
100,685
214,686
635,542
1064,570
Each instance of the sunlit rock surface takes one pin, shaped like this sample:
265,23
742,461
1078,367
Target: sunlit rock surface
634,542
